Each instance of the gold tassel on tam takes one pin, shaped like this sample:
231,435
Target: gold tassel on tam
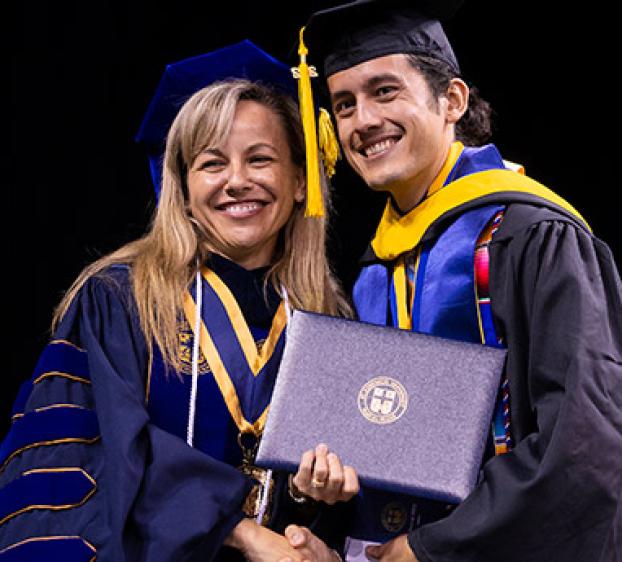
328,142
315,204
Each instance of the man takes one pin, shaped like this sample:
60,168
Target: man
471,250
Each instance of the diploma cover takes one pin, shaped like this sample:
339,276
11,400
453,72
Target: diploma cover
410,412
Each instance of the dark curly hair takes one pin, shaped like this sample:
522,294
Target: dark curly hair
475,126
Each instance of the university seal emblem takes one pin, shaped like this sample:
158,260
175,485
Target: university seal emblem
394,516
185,339
382,400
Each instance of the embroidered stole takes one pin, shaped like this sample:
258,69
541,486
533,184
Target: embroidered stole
236,378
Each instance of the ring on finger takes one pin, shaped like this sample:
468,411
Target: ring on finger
316,483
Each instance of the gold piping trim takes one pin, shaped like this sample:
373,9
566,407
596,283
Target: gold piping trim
404,304
404,320
278,325
53,406
67,342
223,380
54,507
50,538
256,360
61,374
44,408
247,343
414,286
61,469
89,544
44,443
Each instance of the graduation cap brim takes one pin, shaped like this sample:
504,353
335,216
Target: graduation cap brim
344,36
182,79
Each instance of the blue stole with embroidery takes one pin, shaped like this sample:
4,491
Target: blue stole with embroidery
235,380
443,304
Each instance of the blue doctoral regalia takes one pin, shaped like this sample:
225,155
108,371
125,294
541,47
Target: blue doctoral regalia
130,490
99,433
99,441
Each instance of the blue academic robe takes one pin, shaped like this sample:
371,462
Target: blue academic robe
115,481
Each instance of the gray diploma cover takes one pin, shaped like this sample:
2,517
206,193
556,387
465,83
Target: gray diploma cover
410,412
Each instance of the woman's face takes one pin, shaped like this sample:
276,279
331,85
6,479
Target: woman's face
243,192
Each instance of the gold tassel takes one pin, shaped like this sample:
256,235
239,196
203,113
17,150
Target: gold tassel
315,204
329,145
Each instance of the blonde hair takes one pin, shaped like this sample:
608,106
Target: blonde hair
164,261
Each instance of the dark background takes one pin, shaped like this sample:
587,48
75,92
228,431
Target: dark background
81,75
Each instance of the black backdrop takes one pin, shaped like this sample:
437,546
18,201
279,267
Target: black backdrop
81,76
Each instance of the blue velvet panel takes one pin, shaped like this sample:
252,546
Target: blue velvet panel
50,489
56,357
49,426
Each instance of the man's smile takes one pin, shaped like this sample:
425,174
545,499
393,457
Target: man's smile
378,147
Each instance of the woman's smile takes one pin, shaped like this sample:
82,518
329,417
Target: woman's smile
244,191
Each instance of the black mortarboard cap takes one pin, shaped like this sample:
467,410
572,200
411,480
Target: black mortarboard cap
344,36
182,79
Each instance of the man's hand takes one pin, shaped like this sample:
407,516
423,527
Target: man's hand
322,477
396,550
310,547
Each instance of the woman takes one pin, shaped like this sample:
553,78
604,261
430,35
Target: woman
101,432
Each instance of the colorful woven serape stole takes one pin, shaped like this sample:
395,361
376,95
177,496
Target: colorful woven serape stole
501,421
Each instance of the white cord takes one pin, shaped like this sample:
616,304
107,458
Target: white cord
265,495
195,361
265,492
288,310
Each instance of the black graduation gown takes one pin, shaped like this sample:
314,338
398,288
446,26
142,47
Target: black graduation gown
557,303
154,498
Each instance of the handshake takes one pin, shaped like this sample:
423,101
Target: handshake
322,477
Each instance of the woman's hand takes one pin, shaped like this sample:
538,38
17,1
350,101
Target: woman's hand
322,477
259,544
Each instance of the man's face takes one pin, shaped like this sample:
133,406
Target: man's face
393,132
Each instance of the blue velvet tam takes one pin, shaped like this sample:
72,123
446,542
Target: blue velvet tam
182,79
342,37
